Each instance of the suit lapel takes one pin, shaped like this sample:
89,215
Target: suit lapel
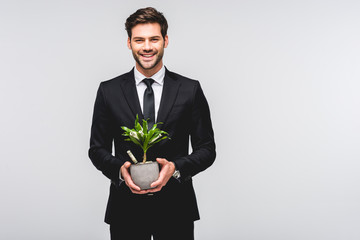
128,88
169,94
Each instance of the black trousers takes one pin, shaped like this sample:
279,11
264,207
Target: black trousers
150,218
159,231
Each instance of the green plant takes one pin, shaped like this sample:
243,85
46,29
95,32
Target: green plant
144,137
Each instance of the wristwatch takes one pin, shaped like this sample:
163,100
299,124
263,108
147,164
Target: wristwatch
176,174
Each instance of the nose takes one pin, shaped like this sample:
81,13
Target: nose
147,46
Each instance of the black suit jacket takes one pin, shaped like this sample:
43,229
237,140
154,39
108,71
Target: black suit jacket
184,112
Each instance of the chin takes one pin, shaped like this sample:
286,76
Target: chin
148,66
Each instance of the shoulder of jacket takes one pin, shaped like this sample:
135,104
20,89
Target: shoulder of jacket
182,79
115,81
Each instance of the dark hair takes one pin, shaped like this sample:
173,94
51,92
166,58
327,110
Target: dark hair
146,15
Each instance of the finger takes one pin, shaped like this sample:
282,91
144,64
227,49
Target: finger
132,185
125,169
155,184
127,164
127,177
125,173
129,182
156,189
161,161
159,181
138,192
163,171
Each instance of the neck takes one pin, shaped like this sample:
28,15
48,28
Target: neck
149,72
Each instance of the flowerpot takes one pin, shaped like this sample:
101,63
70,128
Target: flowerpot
143,174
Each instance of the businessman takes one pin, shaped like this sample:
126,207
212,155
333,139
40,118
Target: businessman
169,209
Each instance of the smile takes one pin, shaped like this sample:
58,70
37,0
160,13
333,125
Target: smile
147,55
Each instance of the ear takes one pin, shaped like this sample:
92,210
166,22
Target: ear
129,43
166,41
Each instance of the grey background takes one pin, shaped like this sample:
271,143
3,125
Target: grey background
282,81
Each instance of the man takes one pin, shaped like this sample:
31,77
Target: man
169,209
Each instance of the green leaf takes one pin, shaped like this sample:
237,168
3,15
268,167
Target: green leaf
146,141
137,119
126,129
155,135
141,138
150,135
134,140
138,127
144,138
154,126
160,139
145,126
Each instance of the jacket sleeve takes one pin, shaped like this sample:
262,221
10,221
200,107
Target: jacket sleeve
101,139
202,138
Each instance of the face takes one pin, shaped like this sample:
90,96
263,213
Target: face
147,46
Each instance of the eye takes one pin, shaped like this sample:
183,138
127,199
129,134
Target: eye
154,39
139,40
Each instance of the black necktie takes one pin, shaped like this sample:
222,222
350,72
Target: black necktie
149,103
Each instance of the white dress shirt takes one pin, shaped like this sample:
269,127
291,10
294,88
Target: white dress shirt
157,87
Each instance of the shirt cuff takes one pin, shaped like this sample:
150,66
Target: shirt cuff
121,180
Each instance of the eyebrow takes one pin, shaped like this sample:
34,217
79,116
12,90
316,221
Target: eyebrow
149,37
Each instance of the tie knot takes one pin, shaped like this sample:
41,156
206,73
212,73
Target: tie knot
148,82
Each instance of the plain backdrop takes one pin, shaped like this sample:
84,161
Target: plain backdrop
282,80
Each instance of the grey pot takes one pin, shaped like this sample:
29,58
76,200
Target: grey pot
143,174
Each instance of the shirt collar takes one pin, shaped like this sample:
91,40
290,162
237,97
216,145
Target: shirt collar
158,77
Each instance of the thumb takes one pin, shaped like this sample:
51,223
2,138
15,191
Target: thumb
161,160
127,164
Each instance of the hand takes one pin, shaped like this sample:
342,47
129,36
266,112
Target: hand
125,173
166,172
